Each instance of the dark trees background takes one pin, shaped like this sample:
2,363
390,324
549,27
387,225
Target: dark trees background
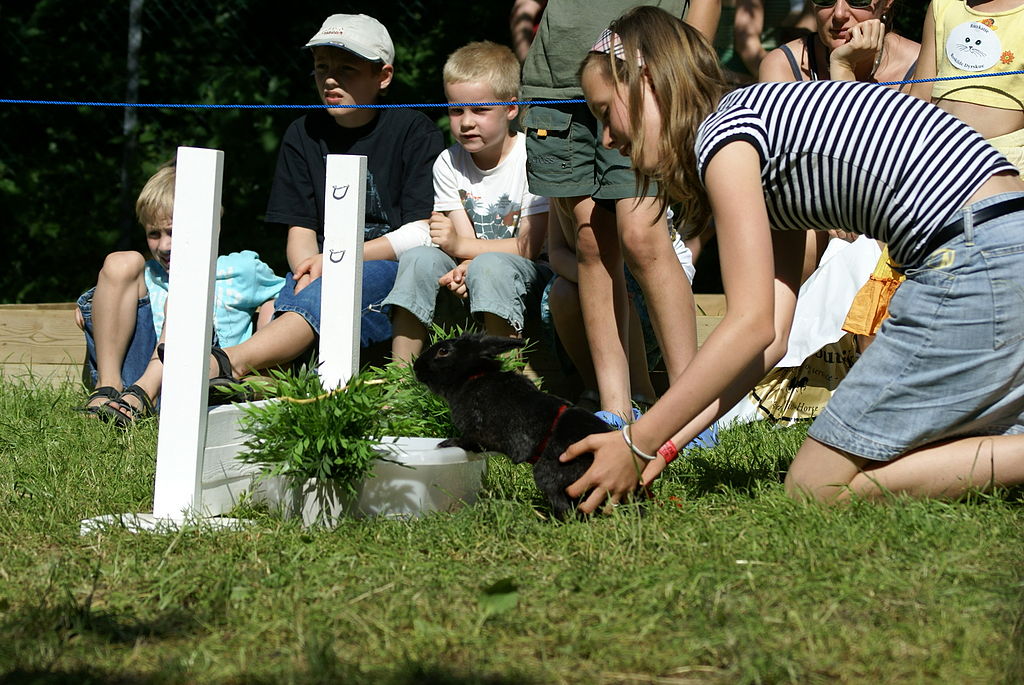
63,206
69,175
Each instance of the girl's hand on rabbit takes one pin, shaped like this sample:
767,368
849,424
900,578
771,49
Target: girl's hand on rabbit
614,474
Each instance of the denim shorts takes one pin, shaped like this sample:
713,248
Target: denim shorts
506,285
375,326
949,362
140,347
565,158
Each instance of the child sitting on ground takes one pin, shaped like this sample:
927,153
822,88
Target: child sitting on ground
123,315
353,60
487,224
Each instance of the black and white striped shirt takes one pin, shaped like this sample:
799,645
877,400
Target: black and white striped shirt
854,156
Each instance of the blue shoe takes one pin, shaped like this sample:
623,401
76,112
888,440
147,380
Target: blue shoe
614,420
709,438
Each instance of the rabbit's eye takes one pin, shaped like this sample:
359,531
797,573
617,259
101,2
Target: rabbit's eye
443,352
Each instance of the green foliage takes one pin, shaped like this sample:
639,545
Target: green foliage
717,583
408,407
307,433
69,175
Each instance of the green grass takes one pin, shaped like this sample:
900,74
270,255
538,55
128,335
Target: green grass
720,580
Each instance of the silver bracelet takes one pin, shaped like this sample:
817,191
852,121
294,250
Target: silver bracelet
633,448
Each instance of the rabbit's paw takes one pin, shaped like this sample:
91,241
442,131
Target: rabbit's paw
461,443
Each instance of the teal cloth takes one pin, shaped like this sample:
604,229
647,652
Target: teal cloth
242,283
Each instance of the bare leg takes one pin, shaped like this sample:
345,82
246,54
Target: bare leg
119,287
648,251
495,325
409,335
150,381
265,314
946,470
564,300
639,373
281,341
603,302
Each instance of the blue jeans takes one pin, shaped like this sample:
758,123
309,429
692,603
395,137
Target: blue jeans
949,361
375,324
140,347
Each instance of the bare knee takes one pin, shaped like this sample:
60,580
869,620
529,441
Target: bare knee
564,295
588,249
821,473
123,267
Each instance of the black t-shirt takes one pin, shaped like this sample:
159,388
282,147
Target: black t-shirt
400,147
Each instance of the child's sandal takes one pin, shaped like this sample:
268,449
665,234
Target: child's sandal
224,388
124,414
102,392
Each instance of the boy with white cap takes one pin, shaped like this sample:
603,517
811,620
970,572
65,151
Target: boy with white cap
353,64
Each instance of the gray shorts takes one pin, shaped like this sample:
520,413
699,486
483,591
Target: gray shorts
564,156
506,285
949,362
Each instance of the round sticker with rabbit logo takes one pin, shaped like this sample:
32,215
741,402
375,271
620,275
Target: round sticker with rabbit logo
973,46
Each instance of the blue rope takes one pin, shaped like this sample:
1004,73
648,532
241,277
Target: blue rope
574,101
948,78
160,105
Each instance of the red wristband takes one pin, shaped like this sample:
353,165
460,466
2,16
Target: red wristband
668,451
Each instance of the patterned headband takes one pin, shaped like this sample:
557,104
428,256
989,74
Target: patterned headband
611,43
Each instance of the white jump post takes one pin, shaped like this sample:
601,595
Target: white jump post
189,329
179,455
342,286
197,474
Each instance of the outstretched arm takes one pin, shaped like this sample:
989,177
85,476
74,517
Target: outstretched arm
760,275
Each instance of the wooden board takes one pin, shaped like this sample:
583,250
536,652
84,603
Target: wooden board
41,341
709,304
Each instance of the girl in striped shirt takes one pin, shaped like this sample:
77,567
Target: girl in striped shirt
935,407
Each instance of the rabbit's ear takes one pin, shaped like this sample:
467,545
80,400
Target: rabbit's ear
492,345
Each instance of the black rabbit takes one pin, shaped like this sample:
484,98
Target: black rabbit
505,412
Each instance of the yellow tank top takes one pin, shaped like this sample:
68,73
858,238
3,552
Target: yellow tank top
970,43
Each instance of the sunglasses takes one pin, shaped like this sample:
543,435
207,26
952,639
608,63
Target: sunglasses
855,4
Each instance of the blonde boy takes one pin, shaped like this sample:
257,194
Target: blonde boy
487,228
123,315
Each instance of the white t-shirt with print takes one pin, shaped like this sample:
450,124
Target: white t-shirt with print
495,199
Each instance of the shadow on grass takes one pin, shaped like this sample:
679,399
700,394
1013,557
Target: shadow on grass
709,473
80,676
411,675
324,666
1015,671
748,458
70,619
433,675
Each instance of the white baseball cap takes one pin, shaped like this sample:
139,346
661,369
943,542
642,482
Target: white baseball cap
359,34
